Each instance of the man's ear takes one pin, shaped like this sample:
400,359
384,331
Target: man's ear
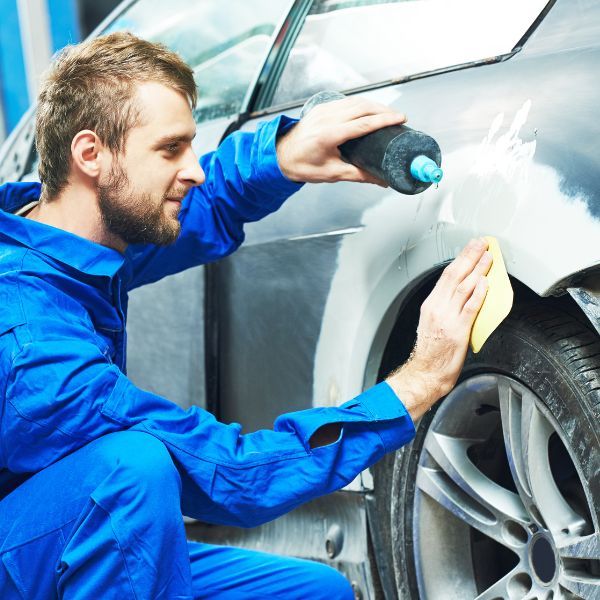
87,153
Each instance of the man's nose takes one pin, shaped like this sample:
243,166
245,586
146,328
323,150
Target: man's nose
192,171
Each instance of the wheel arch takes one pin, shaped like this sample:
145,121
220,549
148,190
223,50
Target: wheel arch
396,334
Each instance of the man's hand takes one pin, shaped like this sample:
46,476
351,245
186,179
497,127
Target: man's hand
309,151
447,317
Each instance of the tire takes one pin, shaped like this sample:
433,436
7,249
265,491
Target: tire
465,521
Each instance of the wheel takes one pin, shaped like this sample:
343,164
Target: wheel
498,496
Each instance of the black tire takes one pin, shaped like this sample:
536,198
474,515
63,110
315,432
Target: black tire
550,349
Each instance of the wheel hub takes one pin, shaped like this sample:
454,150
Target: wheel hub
543,558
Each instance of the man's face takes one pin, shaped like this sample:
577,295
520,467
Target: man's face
140,197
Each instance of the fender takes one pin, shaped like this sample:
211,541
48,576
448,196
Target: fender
547,234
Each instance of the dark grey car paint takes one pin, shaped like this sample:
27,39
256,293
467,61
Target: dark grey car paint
555,70
273,293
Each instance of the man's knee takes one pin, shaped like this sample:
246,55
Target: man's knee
132,520
141,461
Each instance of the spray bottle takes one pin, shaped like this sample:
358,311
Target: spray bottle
408,160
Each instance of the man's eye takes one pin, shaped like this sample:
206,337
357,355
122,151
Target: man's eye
172,148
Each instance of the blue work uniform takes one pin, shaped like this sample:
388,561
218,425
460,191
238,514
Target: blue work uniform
95,472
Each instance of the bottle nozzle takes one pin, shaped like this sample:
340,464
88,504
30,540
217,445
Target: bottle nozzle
426,170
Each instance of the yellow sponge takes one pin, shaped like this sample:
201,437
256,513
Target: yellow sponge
498,301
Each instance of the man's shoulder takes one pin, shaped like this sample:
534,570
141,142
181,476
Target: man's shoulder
36,304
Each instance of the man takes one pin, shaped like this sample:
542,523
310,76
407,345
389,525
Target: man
95,473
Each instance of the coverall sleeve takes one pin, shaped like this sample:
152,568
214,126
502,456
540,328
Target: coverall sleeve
243,184
62,394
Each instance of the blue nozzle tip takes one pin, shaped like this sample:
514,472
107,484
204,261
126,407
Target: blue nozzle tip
426,170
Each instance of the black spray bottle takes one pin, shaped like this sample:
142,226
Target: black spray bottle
408,160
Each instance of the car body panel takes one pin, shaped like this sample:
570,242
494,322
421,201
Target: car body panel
519,162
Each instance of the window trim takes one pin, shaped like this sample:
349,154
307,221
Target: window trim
264,69
268,74
276,60
262,105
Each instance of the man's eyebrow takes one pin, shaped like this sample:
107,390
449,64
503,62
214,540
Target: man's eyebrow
171,139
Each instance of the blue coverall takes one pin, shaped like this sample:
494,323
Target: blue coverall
95,472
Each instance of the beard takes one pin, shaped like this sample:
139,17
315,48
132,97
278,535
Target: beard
134,217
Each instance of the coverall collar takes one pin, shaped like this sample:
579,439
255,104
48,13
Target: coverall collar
67,248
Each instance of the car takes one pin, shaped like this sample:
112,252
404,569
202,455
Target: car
498,496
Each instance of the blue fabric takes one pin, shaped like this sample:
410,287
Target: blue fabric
62,358
97,523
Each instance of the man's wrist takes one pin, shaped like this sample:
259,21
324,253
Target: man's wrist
283,157
417,392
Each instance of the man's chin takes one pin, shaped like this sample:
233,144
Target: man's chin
170,233
166,236
173,238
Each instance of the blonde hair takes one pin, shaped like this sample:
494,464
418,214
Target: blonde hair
92,86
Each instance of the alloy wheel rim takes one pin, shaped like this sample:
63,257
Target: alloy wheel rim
490,521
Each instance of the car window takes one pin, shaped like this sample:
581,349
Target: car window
346,44
224,42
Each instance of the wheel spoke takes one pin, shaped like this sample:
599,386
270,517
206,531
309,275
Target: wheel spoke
437,485
558,515
587,547
575,574
458,485
516,416
581,586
